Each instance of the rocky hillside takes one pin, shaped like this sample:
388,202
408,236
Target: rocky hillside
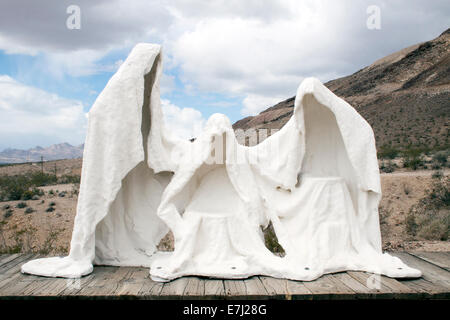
404,96
53,152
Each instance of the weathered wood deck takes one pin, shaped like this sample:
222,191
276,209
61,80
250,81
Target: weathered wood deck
135,283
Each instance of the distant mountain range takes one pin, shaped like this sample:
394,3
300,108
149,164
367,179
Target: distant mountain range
53,152
404,96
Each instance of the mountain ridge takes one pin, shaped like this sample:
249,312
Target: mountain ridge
404,97
57,151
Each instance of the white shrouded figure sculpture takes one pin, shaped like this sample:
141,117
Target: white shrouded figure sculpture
316,180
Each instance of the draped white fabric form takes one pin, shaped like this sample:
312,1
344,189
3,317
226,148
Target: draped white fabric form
316,180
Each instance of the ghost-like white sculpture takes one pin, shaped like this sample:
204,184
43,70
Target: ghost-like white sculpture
316,180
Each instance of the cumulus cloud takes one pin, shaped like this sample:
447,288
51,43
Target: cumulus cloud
30,116
266,52
257,50
253,104
185,123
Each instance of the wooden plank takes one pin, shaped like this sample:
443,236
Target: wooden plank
115,282
194,288
11,270
426,289
441,259
102,283
234,288
375,284
74,286
57,286
274,287
30,285
430,272
360,289
151,289
5,258
214,288
131,285
255,288
21,259
174,288
328,287
297,290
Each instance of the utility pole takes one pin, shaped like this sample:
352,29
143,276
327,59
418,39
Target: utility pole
42,164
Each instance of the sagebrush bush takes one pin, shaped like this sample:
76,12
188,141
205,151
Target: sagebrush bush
29,210
8,213
430,218
25,186
21,205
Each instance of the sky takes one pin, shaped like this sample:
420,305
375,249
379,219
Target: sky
228,56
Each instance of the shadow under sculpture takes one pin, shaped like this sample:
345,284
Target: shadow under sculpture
316,180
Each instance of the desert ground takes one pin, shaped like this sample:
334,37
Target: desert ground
30,226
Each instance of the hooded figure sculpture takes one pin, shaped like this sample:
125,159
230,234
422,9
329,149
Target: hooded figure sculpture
316,180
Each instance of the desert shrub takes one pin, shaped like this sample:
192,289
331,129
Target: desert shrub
48,244
68,179
21,205
29,210
383,214
387,166
437,175
430,218
8,213
437,229
440,157
411,224
6,207
52,204
23,187
12,187
39,179
387,152
413,162
50,209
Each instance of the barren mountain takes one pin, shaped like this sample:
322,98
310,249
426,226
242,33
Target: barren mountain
53,152
404,96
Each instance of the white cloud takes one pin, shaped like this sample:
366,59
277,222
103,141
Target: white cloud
41,116
254,104
185,123
262,52
256,49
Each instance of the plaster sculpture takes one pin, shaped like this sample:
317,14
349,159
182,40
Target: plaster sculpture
316,180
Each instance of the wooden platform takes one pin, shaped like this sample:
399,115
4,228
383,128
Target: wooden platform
134,283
